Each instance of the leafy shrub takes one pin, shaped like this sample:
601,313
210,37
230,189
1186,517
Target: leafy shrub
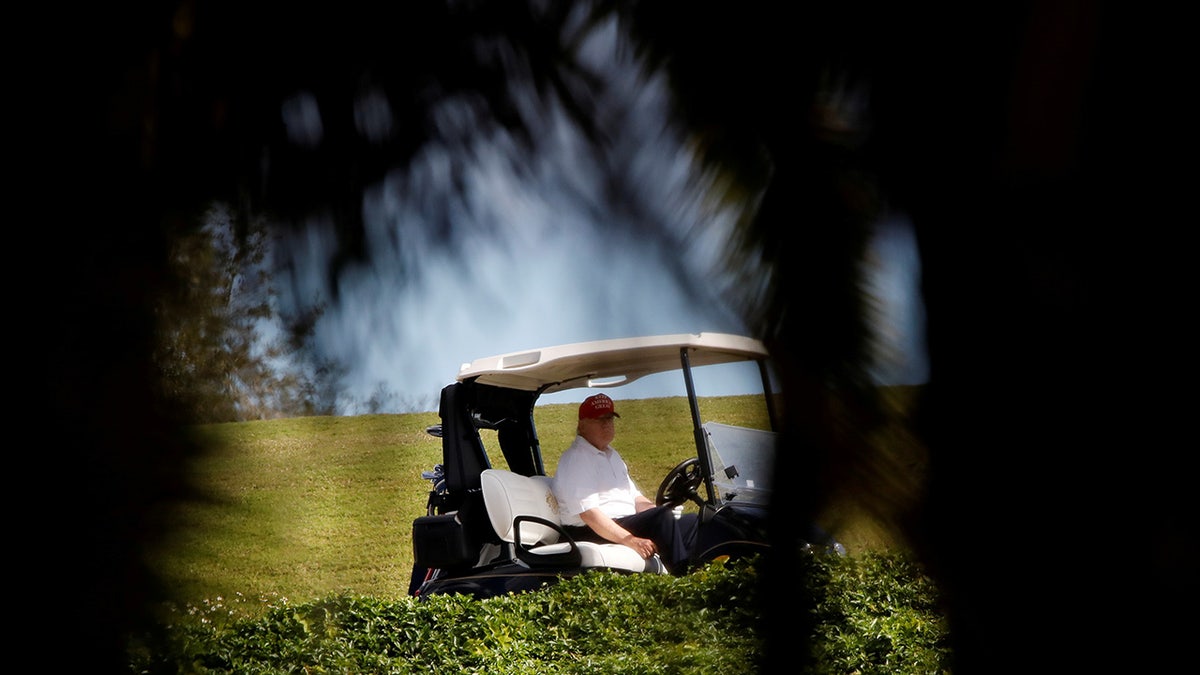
874,614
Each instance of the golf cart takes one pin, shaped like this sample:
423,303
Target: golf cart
492,529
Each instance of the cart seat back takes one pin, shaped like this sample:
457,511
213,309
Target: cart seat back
524,513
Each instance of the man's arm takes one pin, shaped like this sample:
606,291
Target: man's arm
608,528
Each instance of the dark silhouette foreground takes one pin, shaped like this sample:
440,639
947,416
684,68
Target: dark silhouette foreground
1026,144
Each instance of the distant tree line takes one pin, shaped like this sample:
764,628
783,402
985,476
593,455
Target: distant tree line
224,348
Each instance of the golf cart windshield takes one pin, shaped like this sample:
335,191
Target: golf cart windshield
741,459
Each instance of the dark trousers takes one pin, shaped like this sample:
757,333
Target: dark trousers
672,537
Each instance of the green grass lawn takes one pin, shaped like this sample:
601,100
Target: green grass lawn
306,508
299,559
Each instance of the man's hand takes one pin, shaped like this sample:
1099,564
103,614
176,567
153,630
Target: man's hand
606,527
644,547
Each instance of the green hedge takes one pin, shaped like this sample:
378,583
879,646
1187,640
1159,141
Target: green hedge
875,613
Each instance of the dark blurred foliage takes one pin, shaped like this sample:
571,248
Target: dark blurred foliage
1030,143
213,356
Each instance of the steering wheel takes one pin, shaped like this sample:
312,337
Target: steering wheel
681,484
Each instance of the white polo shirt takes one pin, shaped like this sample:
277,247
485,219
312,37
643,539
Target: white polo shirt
587,478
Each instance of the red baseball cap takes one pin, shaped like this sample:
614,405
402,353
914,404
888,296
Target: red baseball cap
596,407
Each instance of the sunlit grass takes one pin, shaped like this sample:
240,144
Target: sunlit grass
308,507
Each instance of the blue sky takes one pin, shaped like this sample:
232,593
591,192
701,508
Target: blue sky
542,258
551,278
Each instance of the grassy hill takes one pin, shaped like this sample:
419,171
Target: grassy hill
305,508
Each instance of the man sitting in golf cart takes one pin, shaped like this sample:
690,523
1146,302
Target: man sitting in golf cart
598,501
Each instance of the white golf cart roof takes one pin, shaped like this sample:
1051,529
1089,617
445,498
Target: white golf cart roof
608,363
